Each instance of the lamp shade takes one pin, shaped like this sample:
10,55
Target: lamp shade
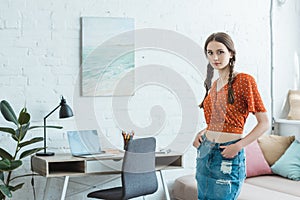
65,111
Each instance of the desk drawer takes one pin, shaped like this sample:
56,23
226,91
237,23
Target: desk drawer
103,166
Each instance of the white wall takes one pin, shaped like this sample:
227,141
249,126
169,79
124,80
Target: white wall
286,53
40,60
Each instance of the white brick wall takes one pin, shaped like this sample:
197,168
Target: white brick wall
40,60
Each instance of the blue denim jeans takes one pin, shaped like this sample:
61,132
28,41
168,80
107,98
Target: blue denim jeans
218,178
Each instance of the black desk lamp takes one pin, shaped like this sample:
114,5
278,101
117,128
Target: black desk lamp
64,112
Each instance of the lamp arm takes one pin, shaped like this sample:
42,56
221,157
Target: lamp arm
45,137
52,112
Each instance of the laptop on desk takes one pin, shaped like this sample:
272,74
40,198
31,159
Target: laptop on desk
85,143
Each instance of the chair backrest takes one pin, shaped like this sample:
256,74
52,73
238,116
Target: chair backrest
138,170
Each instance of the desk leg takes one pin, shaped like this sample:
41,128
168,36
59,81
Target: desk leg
164,184
64,191
46,191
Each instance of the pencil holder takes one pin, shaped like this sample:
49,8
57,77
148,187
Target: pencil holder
126,138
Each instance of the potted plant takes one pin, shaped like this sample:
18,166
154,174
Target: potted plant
10,161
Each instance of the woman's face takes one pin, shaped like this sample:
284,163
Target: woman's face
218,55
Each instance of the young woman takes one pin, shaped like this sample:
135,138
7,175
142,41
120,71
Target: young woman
220,169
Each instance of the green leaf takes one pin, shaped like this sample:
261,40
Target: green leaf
5,190
33,127
24,131
33,140
15,138
14,188
24,109
5,154
8,130
29,152
7,165
2,176
21,131
15,164
4,164
24,117
7,112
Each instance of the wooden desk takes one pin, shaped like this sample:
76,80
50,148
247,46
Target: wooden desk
65,165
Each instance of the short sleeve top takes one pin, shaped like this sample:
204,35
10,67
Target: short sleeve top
224,117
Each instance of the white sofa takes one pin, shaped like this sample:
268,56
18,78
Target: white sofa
255,188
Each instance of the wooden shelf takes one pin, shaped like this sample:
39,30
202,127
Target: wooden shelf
58,165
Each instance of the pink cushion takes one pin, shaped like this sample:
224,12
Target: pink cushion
256,164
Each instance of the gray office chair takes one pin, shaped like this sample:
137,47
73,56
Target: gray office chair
138,172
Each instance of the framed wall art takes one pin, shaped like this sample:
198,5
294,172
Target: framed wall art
107,56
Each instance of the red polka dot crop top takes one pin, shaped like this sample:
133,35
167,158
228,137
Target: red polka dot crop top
224,117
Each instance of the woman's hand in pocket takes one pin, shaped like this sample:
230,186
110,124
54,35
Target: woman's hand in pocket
231,150
198,139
